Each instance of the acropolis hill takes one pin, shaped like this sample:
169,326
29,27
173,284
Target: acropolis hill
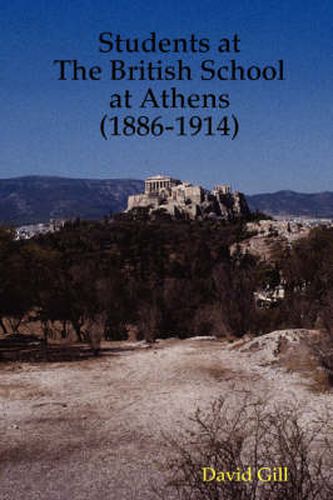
184,200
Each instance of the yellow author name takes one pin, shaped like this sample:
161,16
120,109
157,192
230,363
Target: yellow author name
263,475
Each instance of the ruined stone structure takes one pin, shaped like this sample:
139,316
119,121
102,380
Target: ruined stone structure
158,182
184,200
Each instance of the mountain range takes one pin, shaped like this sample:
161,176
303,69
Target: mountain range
292,203
26,200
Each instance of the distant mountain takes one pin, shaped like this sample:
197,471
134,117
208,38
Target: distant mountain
292,203
25,200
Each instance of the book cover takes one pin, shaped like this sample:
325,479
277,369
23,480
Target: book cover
166,250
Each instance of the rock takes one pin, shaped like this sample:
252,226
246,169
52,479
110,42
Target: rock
185,201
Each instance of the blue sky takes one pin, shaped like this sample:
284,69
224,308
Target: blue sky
50,127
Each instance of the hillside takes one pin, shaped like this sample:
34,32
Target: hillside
37,199
293,203
25,200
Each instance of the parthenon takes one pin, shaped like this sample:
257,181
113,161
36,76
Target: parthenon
154,183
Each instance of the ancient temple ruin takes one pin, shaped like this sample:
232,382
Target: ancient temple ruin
182,199
158,182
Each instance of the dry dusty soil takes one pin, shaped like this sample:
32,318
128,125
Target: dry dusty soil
92,429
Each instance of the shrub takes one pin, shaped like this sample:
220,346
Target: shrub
232,435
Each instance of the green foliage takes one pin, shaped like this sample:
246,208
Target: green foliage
167,278
155,274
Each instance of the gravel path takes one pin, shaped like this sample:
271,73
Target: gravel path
92,429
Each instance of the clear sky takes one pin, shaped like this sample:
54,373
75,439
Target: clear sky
49,127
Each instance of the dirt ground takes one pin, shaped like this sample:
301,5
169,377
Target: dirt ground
92,428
